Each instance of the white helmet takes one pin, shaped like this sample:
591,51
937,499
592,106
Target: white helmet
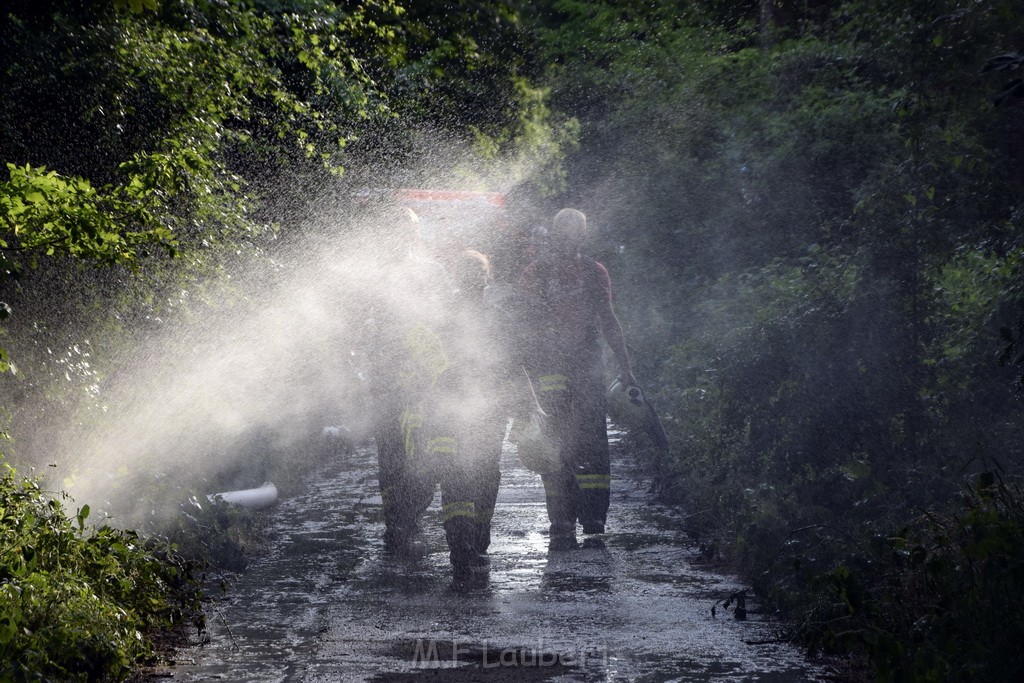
539,450
631,411
626,405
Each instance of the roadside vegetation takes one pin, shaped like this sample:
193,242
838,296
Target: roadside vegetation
812,215
83,603
149,151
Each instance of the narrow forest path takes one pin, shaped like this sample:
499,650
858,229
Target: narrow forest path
326,605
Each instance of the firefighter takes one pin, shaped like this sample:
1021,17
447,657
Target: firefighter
440,415
567,309
406,361
492,387
483,388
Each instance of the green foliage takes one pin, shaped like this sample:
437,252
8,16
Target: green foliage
215,533
529,154
132,135
204,130
165,142
173,124
42,214
933,600
79,603
169,97
811,213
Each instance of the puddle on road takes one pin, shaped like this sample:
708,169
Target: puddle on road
326,604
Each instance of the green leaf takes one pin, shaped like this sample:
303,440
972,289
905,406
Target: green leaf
82,515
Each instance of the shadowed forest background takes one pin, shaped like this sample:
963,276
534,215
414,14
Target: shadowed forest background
811,213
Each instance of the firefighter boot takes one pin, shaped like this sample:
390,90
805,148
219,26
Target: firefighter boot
465,559
558,496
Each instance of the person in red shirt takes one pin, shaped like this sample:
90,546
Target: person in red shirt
567,299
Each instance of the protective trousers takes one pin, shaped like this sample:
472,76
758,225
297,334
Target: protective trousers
580,487
469,476
417,450
477,474
405,493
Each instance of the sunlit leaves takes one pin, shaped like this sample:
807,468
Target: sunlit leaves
238,69
43,214
195,86
189,127
74,599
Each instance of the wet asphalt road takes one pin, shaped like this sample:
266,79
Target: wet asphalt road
326,604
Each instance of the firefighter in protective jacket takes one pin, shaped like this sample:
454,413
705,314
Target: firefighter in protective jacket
407,360
484,388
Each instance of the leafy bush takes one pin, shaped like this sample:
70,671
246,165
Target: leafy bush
934,600
78,603
815,209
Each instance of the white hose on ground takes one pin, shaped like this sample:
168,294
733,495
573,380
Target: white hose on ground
253,499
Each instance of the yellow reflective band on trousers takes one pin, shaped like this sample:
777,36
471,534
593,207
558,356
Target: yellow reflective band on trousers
594,481
552,382
462,508
441,444
411,421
